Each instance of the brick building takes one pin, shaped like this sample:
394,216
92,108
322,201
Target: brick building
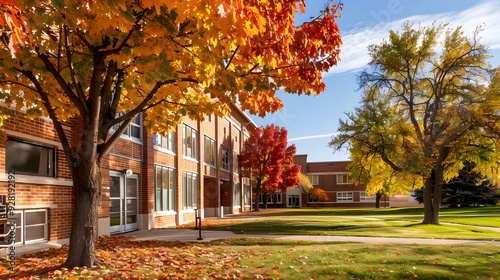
331,176
152,181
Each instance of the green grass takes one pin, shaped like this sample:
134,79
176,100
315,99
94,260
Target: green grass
256,258
460,223
306,260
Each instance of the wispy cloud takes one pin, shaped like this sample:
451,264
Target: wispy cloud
310,137
354,52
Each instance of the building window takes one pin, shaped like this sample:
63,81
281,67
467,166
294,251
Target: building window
209,150
225,158
274,198
344,196
165,142
165,189
363,196
314,179
190,190
133,130
236,167
311,199
190,142
343,179
28,158
237,194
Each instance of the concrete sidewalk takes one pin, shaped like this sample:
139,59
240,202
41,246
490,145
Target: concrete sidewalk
191,235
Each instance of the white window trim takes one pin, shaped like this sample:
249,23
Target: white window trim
161,149
345,200
184,127
215,151
342,176
130,138
223,149
314,179
363,197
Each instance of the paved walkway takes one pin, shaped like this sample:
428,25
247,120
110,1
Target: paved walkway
190,235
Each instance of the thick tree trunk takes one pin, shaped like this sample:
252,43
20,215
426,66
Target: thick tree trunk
431,204
378,197
87,182
257,197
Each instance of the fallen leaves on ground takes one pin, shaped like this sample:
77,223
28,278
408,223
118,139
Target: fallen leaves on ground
124,258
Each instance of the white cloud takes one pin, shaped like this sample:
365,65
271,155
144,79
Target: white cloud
354,52
310,137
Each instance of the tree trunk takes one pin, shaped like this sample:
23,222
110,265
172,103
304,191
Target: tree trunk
431,212
257,198
87,183
378,197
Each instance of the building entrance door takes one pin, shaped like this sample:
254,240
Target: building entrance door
123,201
293,201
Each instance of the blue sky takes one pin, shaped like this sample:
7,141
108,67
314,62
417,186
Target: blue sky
311,121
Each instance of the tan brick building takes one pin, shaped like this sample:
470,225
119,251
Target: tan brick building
152,181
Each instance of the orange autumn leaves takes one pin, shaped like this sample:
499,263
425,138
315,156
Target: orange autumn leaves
13,27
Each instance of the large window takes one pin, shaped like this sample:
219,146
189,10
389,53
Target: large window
189,142
190,190
343,179
28,158
225,158
344,196
314,179
237,194
165,189
133,130
209,151
275,198
363,196
165,142
236,167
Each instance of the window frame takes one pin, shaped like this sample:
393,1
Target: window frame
209,153
314,179
160,140
166,201
270,200
345,196
193,142
189,190
366,198
51,158
127,132
225,158
344,179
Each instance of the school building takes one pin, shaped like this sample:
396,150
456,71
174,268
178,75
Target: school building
149,181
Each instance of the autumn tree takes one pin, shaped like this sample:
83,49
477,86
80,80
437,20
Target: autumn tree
318,195
268,160
304,184
430,105
102,63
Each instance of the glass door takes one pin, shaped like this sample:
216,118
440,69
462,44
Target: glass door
123,203
293,200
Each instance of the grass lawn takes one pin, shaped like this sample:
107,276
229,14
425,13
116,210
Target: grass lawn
460,223
254,258
266,259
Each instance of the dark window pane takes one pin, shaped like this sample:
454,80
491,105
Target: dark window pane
26,158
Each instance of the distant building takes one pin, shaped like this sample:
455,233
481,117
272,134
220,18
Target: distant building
334,178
